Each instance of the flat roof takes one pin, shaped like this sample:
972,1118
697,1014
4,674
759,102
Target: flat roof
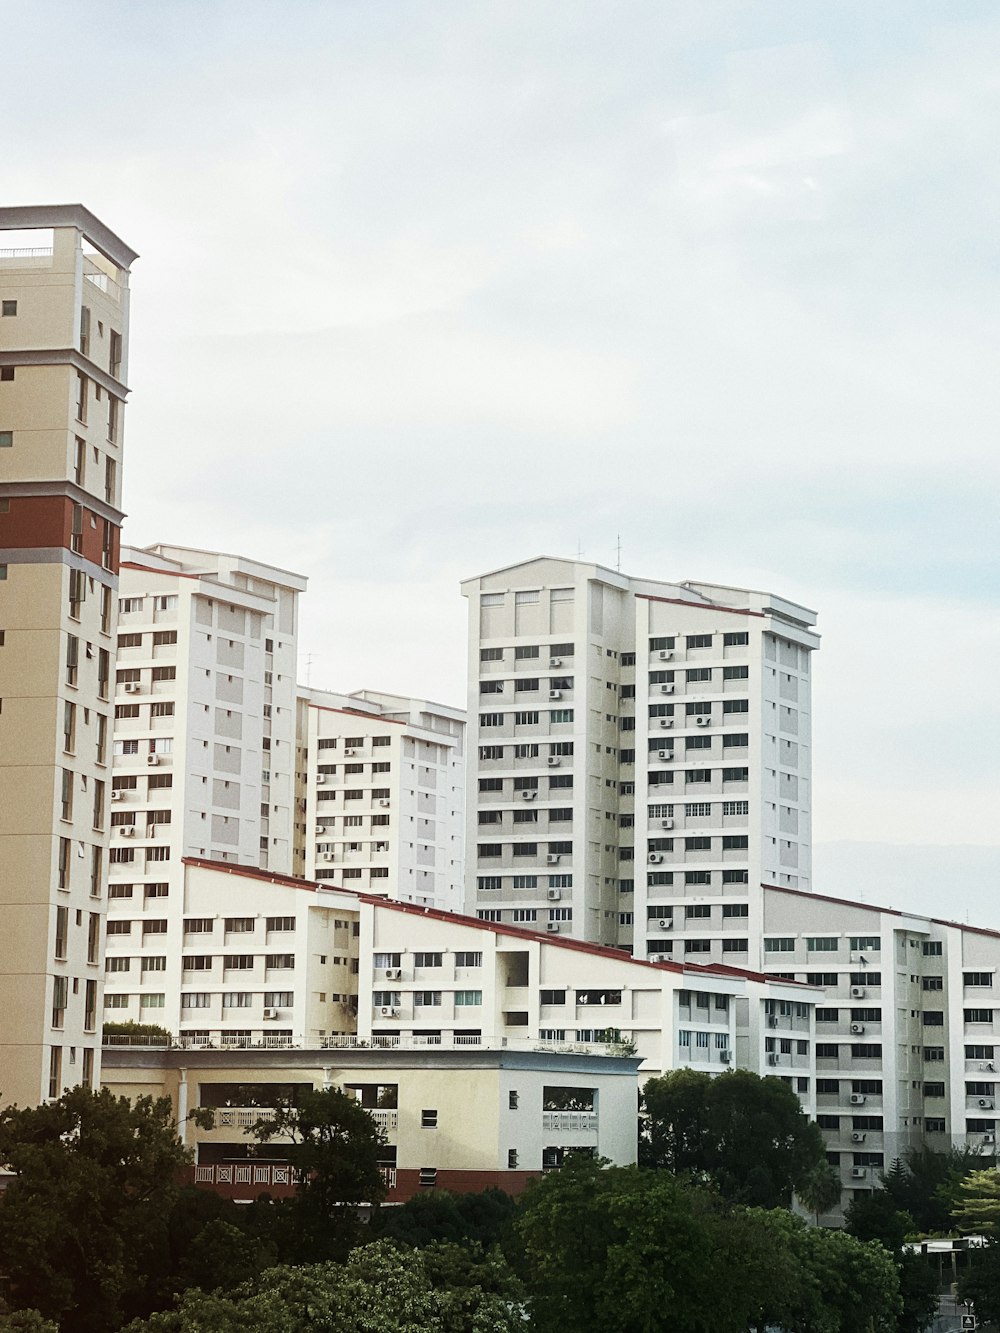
25,216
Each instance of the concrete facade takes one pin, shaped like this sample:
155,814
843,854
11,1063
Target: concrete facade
385,795
639,749
64,332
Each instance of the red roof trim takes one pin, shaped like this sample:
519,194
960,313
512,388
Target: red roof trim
888,911
497,927
701,606
167,573
355,712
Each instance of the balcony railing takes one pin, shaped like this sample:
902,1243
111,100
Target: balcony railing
563,1120
385,1119
241,1117
245,1173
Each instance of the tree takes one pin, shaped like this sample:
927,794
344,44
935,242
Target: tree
85,1218
977,1203
380,1289
335,1147
464,1219
924,1184
875,1217
819,1191
749,1134
615,1248
980,1283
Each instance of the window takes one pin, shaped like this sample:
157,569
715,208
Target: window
238,924
198,925
698,844
977,978
428,1119
427,960
426,999
736,705
735,672
526,651
822,943
279,960
865,943
698,775
491,654
468,959
979,1015
698,641
931,948
735,639
932,983
698,912
735,774
695,674
784,944
735,842
736,740
280,923
491,719
8,308
529,719
468,998
561,715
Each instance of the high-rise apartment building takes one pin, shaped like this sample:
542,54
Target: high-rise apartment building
204,747
385,802
638,747
64,323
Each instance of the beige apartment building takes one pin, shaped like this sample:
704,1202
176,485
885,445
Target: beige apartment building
64,325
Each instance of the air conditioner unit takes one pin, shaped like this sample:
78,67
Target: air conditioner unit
552,859
321,829
384,801
857,1137
857,992
857,1029
118,796
528,795
132,687
393,973
703,721
664,754
665,924
666,721
387,1011
986,1104
666,689
772,1057
328,856
552,927
320,779
555,694
665,655
655,858
350,751
725,1056
152,759
270,1013
666,823
858,1172
857,1099
555,661
553,895
989,1138
554,761
127,831
772,1022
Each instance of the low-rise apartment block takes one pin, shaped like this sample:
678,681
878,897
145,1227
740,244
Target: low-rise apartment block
453,1118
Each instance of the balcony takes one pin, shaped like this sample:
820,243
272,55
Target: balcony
385,1119
562,1121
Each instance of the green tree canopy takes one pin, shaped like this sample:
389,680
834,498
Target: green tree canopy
380,1289
749,1134
924,1184
85,1218
481,1218
976,1205
334,1145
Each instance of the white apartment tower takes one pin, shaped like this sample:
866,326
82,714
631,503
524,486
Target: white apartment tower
64,323
385,795
640,748
204,748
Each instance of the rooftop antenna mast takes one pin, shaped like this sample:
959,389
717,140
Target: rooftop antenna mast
579,549
618,549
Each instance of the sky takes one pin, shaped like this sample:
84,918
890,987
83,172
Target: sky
429,287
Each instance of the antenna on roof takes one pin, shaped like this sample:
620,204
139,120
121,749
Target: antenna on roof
579,549
618,549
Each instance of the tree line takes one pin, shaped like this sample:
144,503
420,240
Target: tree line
98,1233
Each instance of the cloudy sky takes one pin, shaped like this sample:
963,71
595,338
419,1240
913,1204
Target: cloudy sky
430,286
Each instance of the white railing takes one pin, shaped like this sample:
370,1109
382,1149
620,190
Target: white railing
102,281
245,1173
385,1119
586,1120
240,1117
28,252
389,1176
350,1042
